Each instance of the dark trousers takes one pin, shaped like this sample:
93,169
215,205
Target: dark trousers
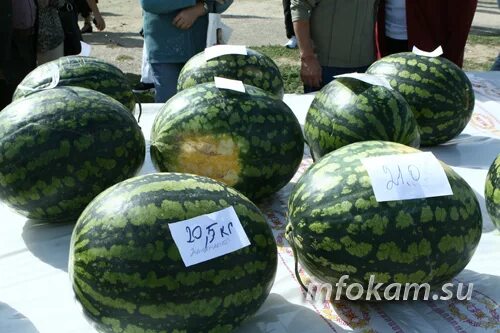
288,19
328,73
21,61
396,45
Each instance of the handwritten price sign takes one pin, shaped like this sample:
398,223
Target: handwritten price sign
407,176
209,236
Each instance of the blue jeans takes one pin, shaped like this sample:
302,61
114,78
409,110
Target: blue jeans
165,77
328,73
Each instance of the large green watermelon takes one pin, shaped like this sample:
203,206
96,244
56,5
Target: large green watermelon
349,110
61,147
250,141
127,273
77,71
492,192
338,228
254,69
437,90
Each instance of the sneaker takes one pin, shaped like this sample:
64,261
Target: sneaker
142,87
292,43
87,28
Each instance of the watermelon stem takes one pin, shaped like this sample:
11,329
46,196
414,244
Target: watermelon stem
289,236
140,107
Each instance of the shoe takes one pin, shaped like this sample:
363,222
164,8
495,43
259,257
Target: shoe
292,43
142,87
87,28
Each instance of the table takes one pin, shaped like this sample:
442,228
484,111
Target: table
36,296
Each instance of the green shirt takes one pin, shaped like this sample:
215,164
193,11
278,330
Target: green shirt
343,31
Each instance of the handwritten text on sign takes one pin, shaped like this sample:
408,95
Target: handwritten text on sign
407,176
209,236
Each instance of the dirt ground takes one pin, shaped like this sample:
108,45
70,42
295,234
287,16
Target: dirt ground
255,22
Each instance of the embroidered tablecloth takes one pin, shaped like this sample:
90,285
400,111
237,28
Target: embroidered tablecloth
36,296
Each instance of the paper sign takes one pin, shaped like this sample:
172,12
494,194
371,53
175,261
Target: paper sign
220,50
368,78
436,53
208,236
86,49
223,83
407,176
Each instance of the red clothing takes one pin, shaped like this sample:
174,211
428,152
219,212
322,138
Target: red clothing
433,23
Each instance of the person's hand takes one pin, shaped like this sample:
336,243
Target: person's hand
99,22
310,71
186,17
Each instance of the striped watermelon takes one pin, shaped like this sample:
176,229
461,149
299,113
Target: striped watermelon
437,90
348,110
77,71
338,228
254,69
492,192
250,141
61,147
127,273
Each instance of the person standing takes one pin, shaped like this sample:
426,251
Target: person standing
18,45
335,37
174,31
86,8
290,33
429,24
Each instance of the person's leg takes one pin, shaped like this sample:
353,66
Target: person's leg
22,60
396,45
6,92
165,79
84,10
457,24
290,33
288,19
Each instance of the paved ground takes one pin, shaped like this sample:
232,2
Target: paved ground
255,22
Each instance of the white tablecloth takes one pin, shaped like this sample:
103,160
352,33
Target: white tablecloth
36,296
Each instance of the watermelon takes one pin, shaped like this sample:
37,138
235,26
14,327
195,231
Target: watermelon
254,69
349,110
338,228
438,92
77,71
127,273
492,192
250,141
61,147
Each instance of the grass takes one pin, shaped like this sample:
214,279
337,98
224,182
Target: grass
289,63
485,49
124,57
488,40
